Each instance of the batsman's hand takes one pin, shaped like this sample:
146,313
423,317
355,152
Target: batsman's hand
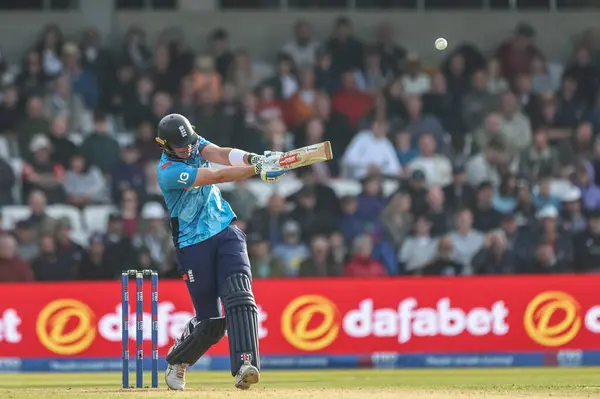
268,173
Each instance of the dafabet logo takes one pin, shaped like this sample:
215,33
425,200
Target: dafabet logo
66,326
553,318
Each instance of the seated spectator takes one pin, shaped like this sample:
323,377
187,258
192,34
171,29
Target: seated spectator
184,101
590,192
7,182
49,266
291,251
242,199
337,126
372,80
34,123
124,90
128,174
12,267
587,246
42,223
49,47
572,215
326,198
135,50
516,53
326,78
542,80
396,218
138,108
585,73
350,101
155,237
362,264
415,81
395,96
442,264
371,201
478,102
285,81
66,249
496,82
268,221
505,197
459,193
391,53
11,111
554,247
351,224
129,209
320,263
525,209
580,146
303,47
27,243
345,48
62,148
494,257
41,173
456,74
490,129
278,136
164,70
84,184
440,220
219,47
524,93
514,125
466,241
437,168
418,190
405,150
116,245
571,109
61,101
83,81
268,106
337,248
245,74
485,216
98,59
32,79
263,264
95,264
419,124
152,189
299,106
144,261
145,143
488,165
311,221
99,148
539,157
371,150
419,248
444,106
544,196
206,78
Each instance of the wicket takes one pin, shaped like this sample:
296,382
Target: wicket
139,325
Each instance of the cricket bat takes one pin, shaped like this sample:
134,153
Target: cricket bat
305,156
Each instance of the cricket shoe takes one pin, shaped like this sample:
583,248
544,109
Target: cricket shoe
175,375
246,376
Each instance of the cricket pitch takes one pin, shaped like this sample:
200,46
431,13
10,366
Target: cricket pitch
552,383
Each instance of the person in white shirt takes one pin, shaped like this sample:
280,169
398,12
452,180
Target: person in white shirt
371,149
466,241
302,49
419,248
415,81
437,168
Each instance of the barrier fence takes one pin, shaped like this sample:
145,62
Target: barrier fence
437,322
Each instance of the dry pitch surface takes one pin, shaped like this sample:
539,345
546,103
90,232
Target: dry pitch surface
352,384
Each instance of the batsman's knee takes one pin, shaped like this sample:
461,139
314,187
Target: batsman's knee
197,339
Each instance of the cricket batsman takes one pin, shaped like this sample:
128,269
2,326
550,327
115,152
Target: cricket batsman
212,254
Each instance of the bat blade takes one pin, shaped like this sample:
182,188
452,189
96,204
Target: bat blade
305,156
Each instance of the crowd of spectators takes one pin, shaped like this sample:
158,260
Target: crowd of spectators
494,158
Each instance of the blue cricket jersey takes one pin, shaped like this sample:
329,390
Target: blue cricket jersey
197,213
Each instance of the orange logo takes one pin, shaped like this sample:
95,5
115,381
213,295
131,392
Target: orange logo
66,326
288,160
552,318
310,322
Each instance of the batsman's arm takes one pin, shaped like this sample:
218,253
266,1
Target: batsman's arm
227,156
207,176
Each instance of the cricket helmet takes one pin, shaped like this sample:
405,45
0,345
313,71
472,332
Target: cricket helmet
175,130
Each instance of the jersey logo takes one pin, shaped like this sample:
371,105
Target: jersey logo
183,178
182,131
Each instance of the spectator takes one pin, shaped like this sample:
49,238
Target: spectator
320,262
441,104
7,182
143,260
99,148
459,194
129,208
326,78
392,54
539,157
67,249
371,150
49,47
542,80
488,165
263,264
95,264
442,263
135,51
490,129
62,148
303,47
32,79
11,111
163,71
84,184
99,60
156,238
327,200
590,192
12,267
371,78
505,197
219,47
206,78
33,124
62,102
585,74
49,266
371,201
245,75
152,190
554,248
485,216
419,248
338,129
572,215
362,264
41,221
128,174
497,84
124,91
544,196
145,143
116,247
396,218
587,245
525,96
440,220
478,102
162,104
350,101
514,125
42,173
516,53
291,251
405,150
310,220
456,75
494,257
300,104
419,124
268,221
415,81
242,199
27,243
437,168
83,81
351,224
346,50
138,109
417,189
525,208
466,241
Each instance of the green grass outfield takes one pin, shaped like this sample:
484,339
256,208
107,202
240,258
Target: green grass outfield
353,384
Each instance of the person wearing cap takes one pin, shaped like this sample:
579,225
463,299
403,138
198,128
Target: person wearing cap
41,173
291,251
587,245
572,214
485,216
417,189
155,237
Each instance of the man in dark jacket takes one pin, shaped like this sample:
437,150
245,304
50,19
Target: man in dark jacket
587,246
7,182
